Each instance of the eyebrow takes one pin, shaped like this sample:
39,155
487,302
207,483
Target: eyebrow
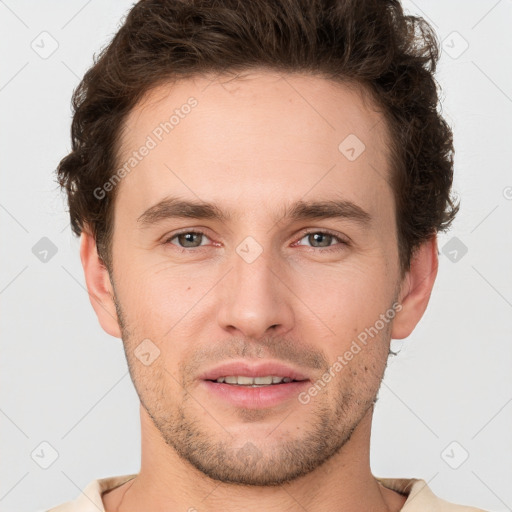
173,207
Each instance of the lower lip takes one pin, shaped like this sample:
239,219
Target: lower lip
258,397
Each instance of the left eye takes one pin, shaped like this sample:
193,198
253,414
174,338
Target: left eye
188,239
320,239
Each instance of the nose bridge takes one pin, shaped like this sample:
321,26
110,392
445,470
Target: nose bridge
253,299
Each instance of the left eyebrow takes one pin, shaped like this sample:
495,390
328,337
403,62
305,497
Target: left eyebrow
173,207
330,209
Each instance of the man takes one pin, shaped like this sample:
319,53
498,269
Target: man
258,187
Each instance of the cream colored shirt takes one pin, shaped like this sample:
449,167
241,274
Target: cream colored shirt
419,497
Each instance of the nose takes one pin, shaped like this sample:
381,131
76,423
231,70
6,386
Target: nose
255,299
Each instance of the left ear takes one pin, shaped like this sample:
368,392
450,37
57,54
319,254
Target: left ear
416,288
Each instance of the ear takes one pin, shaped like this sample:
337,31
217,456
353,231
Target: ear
98,284
416,288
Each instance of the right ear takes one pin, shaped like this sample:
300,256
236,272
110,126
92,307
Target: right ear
98,284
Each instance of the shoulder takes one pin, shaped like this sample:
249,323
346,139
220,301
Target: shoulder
421,498
90,499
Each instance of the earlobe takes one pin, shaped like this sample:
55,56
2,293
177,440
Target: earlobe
416,289
98,284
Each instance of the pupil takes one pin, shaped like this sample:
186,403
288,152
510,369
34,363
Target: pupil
188,237
315,238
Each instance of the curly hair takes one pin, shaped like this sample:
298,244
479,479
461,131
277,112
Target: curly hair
372,43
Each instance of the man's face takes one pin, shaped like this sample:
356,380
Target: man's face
265,284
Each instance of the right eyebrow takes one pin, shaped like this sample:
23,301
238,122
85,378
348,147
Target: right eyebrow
173,207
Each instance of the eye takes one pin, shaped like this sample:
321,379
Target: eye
187,239
324,240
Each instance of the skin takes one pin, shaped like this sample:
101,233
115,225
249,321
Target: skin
251,145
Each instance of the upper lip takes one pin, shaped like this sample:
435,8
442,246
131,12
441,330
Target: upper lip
247,369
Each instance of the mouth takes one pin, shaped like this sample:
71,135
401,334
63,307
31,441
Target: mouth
248,373
255,382
254,386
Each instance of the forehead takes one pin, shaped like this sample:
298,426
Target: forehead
260,137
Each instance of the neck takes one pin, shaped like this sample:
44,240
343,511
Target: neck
166,482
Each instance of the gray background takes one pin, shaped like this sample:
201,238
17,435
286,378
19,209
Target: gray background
64,382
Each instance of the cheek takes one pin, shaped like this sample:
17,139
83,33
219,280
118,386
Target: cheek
171,309
152,295
347,296
348,306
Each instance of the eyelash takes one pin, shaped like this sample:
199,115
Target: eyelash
342,242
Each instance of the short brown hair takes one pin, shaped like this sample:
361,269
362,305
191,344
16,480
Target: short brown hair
369,42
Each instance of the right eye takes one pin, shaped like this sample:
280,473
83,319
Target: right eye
187,239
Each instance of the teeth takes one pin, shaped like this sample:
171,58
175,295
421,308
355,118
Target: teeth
242,380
